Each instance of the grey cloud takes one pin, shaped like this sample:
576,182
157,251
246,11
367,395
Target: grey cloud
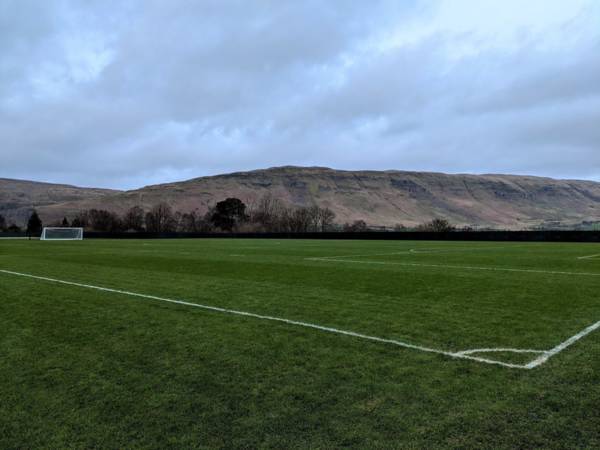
570,128
122,94
544,81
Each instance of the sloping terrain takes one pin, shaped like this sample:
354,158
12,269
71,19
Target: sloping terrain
383,198
19,197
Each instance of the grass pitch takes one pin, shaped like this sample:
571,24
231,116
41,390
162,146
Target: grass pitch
83,367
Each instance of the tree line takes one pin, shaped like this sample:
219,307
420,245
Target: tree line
34,225
267,215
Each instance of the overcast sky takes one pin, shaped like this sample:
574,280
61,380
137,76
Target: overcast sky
128,93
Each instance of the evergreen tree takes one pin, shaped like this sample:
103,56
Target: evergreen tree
229,213
34,224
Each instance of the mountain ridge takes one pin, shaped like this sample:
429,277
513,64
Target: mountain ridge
19,197
383,198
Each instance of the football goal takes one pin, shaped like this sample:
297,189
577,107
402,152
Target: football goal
61,234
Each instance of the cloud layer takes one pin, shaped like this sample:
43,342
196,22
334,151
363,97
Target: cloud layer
124,94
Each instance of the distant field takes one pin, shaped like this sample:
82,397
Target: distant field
297,344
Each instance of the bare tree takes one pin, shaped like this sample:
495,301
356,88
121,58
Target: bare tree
300,220
133,219
358,226
81,220
314,214
436,226
188,222
160,219
321,219
203,224
267,212
326,219
102,220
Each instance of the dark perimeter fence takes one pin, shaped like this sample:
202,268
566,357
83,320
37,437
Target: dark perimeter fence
516,236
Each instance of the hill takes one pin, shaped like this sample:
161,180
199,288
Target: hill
384,198
19,197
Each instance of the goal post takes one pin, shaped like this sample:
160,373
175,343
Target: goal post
61,234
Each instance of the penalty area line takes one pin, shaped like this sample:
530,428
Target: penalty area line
445,266
589,256
456,355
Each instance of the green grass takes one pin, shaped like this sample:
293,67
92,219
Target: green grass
82,368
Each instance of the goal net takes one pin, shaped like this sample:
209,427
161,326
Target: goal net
61,234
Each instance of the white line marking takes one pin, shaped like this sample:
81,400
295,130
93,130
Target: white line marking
271,318
404,252
460,249
251,248
562,346
415,251
465,354
425,250
498,350
589,257
444,266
